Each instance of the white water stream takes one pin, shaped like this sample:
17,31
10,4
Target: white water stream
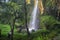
33,24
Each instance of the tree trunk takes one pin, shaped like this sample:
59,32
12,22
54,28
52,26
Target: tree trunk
26,17
0,33
12,29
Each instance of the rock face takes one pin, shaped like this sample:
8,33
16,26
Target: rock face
41,6
28,1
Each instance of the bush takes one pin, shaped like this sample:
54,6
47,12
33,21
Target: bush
47,21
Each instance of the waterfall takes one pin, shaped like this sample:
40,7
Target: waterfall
33,24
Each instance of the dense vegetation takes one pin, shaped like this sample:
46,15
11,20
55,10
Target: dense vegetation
16,13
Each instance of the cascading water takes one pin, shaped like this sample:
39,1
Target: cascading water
33,23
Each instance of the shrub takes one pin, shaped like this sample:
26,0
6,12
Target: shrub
47,21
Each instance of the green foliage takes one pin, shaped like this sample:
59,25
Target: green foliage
14,8
47,21
51,24
23,36
38,35
10,11
5,29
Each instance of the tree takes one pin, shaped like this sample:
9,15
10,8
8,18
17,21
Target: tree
26,18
